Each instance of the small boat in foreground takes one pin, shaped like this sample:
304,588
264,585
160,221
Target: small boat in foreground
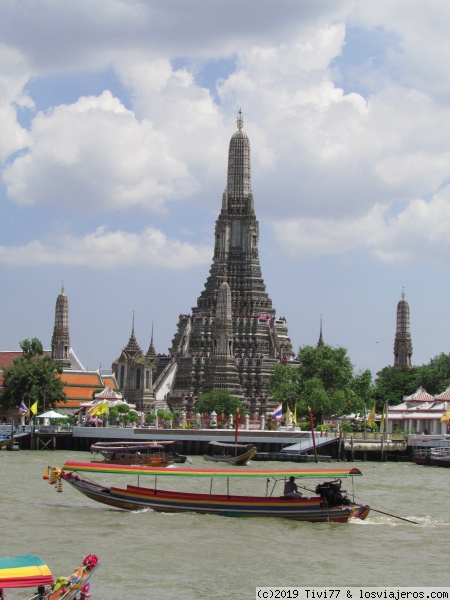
28,570
233,454
328,503
153,454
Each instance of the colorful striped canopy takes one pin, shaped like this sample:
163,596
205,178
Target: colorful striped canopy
26,570
184,472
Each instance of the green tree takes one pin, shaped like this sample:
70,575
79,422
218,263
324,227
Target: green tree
391,384
284,385
324,381
32,378
114,415
221,401
133,416
435,375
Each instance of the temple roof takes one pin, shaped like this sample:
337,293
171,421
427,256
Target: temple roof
445,395
420,395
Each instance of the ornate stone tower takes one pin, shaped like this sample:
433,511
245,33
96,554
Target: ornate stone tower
232,339
134,373
403,344
60,338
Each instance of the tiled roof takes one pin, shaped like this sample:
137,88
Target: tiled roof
108,394
445,395
6,358
419,395
84,378
110,381
81,393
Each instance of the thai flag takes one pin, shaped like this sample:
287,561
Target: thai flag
278,412
23,409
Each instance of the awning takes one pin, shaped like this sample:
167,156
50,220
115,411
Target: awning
25,570
102,467
52,414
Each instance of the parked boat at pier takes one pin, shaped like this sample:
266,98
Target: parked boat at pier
156,454
436,457
233,454
328,503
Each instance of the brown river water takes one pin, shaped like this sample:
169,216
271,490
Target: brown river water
187,556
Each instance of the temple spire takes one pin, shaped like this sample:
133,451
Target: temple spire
238,179
61,338
232,339
133,347
403,343
320,342
151,353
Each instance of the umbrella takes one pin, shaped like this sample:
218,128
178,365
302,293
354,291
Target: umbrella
51,414
95,420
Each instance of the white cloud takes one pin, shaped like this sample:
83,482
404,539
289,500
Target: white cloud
13,76
327,159
419,233
108,250
94,156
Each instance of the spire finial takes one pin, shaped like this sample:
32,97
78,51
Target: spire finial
62,287
320,342
403,292
132,324
240,120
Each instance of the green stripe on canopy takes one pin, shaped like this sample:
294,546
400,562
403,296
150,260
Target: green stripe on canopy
185,472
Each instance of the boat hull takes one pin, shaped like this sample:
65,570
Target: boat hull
241,459
298,509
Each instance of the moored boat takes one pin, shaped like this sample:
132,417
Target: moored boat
328,503
439,457
157,454
28,570
233,454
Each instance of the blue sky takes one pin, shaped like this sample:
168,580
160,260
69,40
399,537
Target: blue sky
116,118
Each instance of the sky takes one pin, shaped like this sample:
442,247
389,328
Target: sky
115,120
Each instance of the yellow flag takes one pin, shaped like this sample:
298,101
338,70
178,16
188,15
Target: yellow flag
101,408
294,420
34,408
382,420
371,418
446,416
288,416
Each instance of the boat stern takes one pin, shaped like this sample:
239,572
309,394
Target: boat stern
360,512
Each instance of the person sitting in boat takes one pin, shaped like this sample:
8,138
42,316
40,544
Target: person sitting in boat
291,489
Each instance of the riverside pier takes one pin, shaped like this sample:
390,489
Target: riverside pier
285,445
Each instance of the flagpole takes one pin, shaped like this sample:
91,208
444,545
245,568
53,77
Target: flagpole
365,423
313,434
386,422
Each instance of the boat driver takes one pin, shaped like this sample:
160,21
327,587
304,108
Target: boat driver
291,489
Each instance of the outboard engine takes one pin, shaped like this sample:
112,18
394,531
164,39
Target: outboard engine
330,492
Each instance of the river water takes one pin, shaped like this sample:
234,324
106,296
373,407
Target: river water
187,556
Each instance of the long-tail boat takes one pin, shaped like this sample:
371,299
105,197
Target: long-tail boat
150,454
28,570
327,503
233,454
